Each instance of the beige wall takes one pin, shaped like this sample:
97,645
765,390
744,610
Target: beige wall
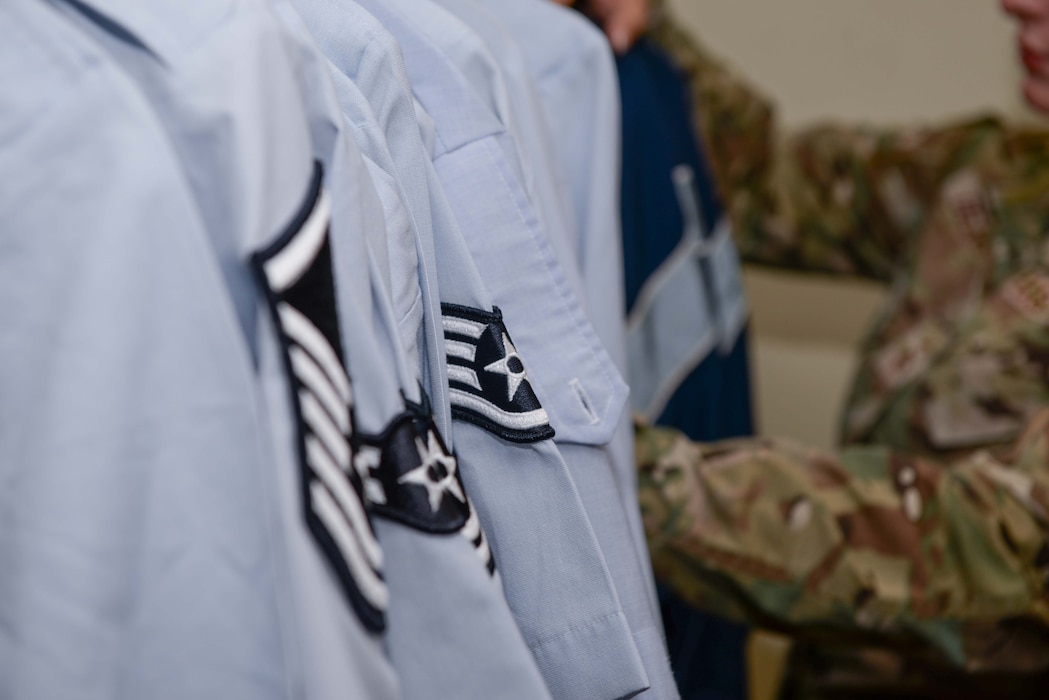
877,61
872,60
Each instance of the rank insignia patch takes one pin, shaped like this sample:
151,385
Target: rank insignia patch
488,382
409,476
297,274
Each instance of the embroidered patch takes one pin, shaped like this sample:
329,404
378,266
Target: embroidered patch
297,274
488,382
410,477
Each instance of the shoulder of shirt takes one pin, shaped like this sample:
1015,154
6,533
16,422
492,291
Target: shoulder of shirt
169,29
43,64
570,40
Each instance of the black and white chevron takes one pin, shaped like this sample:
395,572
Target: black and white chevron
297,271
472,531
488,383
411,477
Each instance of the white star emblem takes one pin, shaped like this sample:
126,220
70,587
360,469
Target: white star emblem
435,473
511,367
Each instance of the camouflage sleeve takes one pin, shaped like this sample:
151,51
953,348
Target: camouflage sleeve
866,544
833,199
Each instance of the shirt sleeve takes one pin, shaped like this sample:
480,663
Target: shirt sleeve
837,199
866,543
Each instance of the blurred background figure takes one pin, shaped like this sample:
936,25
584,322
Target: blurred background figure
913,562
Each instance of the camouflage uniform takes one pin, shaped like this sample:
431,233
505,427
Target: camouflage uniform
927,533
867,546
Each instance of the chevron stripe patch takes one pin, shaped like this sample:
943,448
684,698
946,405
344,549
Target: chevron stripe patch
411,477
297,272
487,378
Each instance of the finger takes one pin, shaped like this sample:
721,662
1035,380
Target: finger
1026,9
1034,48
1036,92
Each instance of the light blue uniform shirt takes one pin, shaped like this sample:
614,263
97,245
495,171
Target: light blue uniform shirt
144,546
451,633
572,66
475,161
496,485
509,91
612,512
247,138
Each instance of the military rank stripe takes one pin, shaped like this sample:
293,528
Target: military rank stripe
475,534
289,264
469,401
314,379
459,350
363,556
300,286
488,382
324,429
309,338
457,325
332,477
366,461
418,479
370,583
464,375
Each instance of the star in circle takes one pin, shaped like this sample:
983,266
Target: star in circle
435,473
511,367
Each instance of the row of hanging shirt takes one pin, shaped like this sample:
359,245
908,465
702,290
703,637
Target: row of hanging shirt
312,355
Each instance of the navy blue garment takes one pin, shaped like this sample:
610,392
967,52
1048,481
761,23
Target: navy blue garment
658,136
713,400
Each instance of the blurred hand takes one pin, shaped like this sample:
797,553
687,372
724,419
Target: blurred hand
622,20
1033,41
